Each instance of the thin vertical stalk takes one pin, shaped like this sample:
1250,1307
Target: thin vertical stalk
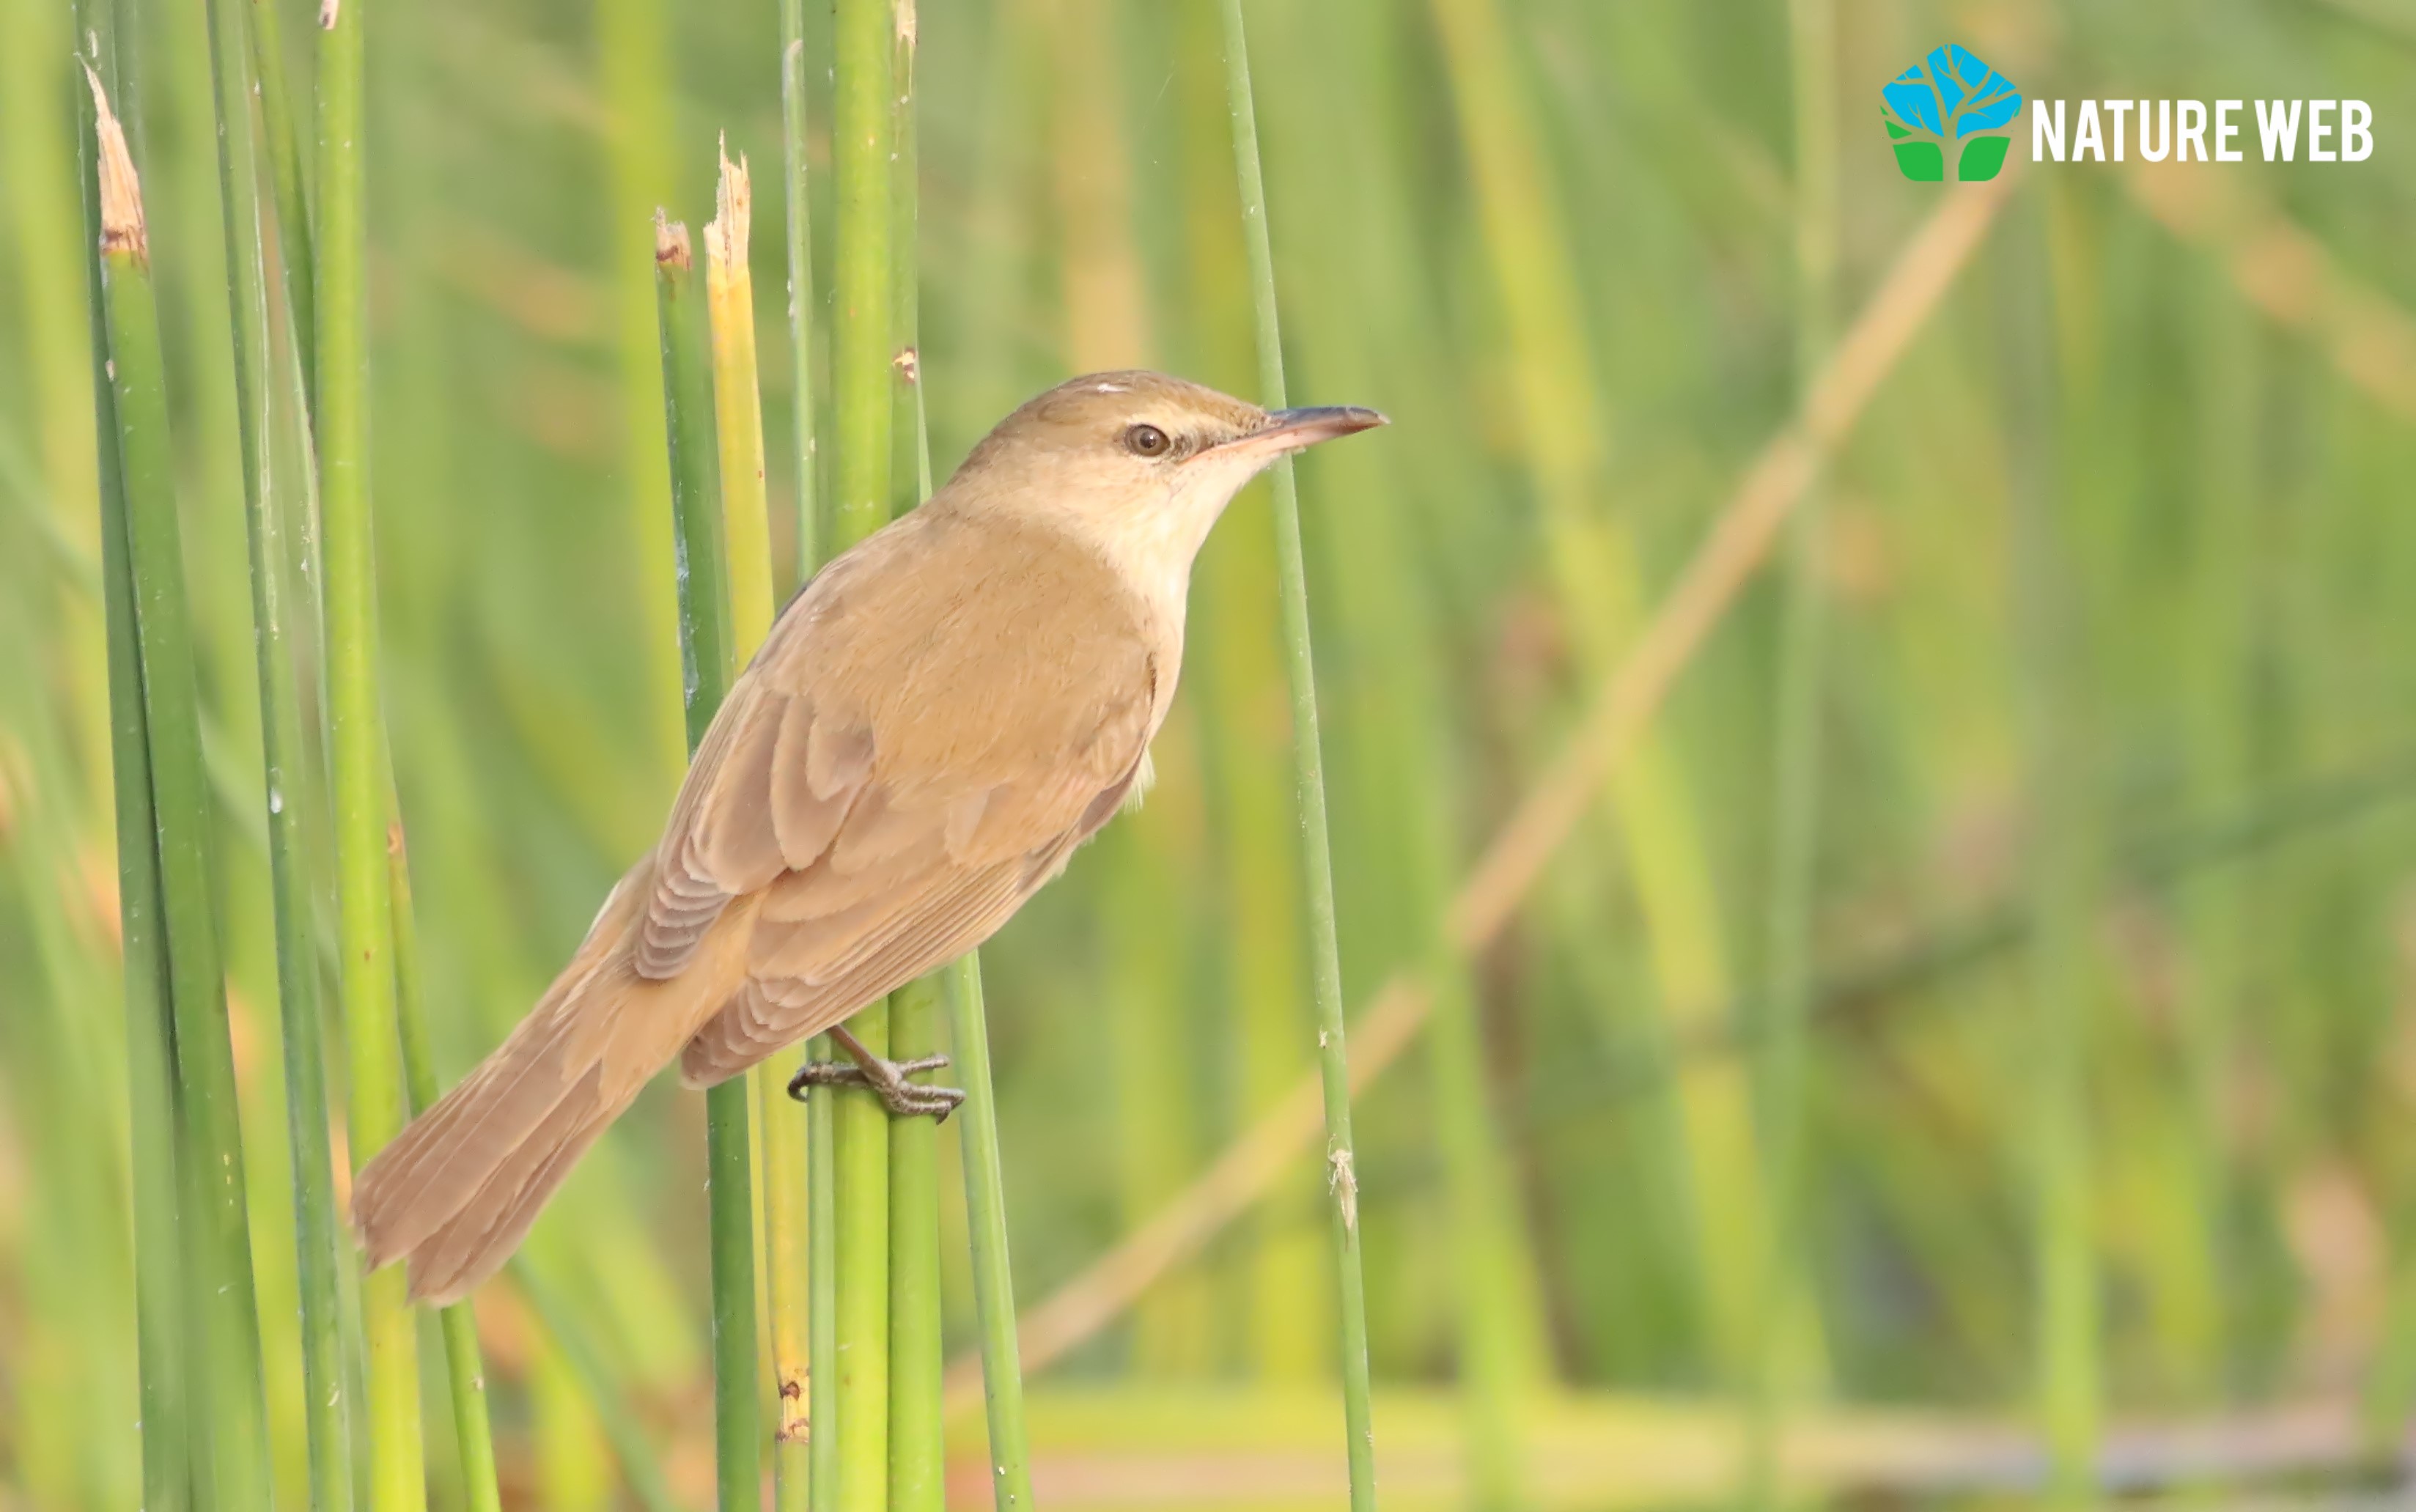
863,132
1796,775
289,175
708,666
801,281
822,1289
1350,282
1316,866
634,52
805,1461
1275,1289
356,737
780,1138
863,128
2044,385
1010,1453
465,1374
230,1455
269,505
917,1454
151,1036
2225,740
816,1425
739,410
960,987
860,1194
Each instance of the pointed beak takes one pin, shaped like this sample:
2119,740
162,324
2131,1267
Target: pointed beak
1291,430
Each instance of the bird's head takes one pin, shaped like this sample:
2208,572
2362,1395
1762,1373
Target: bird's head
1139,463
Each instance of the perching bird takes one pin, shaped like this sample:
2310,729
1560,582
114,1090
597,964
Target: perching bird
933,725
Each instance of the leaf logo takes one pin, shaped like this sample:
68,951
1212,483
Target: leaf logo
1954,106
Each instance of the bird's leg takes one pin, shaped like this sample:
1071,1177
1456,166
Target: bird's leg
884,1076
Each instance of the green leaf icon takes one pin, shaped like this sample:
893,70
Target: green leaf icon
1982,158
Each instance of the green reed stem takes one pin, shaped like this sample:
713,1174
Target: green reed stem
806,1367
622,1425
2060,870
815,1483
465,1373
1308,762
289,173
738,422
229,1465
1010,1451
863,127
707,669
860,1322
633,66
917,1455
271,504
917,1452
960,987
1796,780
2224,740
801,281
151,1035
358,741
738,412
820,1111
822,1289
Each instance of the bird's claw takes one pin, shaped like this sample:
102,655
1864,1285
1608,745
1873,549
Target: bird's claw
886,1079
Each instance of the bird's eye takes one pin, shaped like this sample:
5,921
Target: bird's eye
1147,441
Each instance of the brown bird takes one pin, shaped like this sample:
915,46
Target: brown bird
933,725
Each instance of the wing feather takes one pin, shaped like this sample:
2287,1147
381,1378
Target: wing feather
901,767
805,817
734,840
770,1013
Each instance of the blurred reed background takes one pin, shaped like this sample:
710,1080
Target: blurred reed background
1971,1032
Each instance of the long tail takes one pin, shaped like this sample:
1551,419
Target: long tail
456,1192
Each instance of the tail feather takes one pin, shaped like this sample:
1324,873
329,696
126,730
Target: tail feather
456,1192
468,1246
416,1182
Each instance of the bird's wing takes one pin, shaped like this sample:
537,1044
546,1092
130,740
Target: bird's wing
900,768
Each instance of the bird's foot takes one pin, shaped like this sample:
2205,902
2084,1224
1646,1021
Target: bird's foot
884,1078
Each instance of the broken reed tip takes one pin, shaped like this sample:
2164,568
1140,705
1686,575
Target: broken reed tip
671,243
725,234
121,190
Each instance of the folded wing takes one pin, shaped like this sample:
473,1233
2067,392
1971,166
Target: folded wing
898,771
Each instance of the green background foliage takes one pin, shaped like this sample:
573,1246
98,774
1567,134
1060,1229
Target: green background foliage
2107,1000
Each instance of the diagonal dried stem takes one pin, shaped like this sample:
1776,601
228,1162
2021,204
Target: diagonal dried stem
2290,279
1740,541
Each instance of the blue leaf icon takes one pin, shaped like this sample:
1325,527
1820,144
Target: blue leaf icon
1942,74
1977,96
1913,101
